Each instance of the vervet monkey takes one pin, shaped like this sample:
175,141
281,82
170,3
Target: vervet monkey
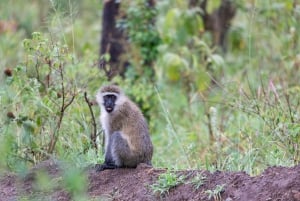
127,140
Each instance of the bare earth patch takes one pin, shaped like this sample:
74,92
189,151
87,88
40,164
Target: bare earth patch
275,183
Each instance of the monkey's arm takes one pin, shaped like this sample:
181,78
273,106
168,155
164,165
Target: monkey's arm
109,162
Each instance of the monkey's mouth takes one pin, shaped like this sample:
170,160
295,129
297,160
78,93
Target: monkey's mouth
109,109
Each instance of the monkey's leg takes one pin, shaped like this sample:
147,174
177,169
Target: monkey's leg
121,152
108,162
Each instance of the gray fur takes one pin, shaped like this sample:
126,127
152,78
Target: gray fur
127,136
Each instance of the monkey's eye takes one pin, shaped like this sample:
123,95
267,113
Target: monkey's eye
111,98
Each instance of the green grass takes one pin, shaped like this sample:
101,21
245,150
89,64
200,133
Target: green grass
165,182
247,120
197,181
215,193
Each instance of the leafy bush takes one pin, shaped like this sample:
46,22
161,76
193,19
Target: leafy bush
143,35
184,56
44,102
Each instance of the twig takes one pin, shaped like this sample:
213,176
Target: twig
63,108
93,135
210,130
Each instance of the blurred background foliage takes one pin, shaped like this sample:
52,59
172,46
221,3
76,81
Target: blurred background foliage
233,110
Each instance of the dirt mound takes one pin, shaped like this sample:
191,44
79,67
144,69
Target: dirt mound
275,183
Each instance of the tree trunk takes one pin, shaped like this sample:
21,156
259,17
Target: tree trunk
218,22
112,41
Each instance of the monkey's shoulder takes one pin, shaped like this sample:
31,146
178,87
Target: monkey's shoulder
130,108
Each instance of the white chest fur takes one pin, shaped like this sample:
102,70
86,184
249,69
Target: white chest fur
104,119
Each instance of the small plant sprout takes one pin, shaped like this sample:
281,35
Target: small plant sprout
216,193
197,181
165,182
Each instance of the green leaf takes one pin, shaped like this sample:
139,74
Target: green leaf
213,5
217,59
171,18
173,64
192,22
29,126
202,80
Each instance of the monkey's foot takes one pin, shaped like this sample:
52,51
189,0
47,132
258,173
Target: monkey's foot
101,167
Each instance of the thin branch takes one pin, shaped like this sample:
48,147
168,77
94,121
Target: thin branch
64,106
69,103
210,130
94,132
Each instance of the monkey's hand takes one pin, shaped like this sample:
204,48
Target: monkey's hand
101,167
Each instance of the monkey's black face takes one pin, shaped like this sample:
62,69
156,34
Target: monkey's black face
109,102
